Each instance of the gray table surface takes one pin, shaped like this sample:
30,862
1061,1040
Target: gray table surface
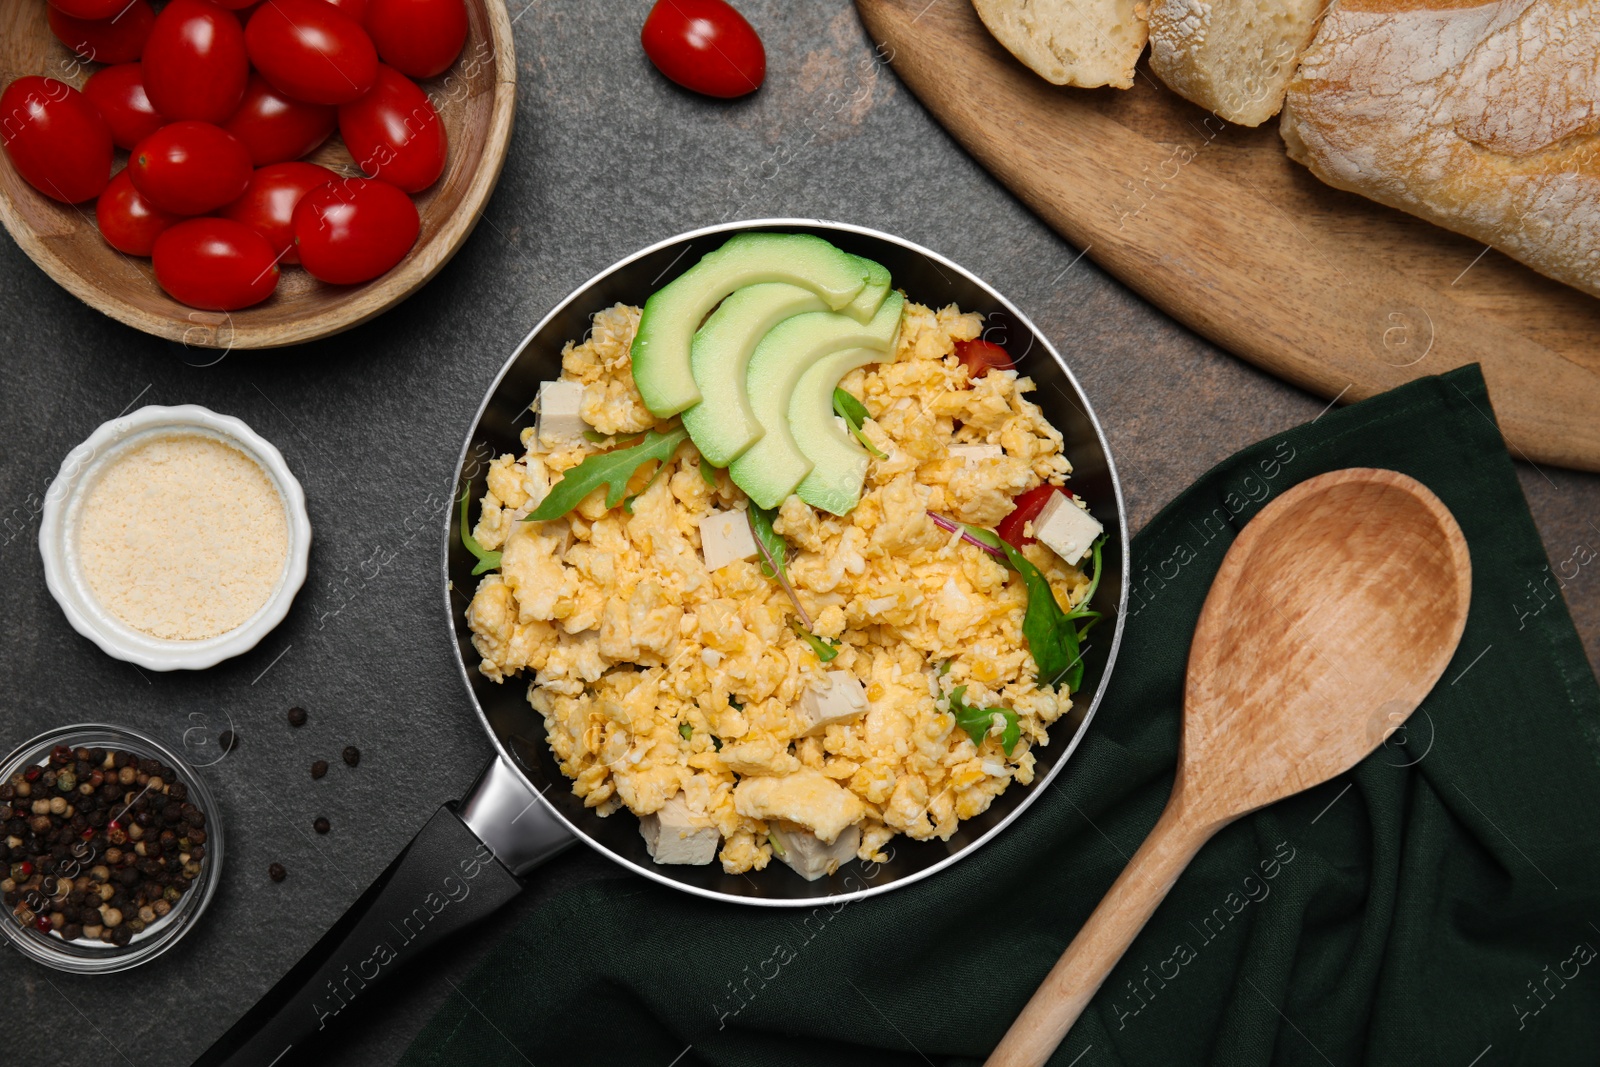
607,157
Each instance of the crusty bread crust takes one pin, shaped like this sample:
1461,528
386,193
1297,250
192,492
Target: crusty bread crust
1483,118
1084,43
1232,57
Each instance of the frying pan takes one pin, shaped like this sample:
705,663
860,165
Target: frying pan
472,856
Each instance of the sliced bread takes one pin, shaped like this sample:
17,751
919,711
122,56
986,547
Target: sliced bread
1085,43
1232,57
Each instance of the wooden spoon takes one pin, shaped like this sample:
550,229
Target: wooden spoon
1332,616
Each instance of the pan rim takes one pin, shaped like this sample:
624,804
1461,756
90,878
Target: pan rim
1034,790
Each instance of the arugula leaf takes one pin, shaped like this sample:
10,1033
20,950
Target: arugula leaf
1052,639
627,505
854,413
825,649
596,437
777,846
944,668
610,469
978,721
708,474
487,560
686,731
734,704
775,549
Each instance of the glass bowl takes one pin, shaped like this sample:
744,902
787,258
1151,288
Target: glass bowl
83,956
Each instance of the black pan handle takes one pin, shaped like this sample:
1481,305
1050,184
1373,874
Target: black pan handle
464,864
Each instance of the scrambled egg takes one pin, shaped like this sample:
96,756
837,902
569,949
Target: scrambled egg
631,640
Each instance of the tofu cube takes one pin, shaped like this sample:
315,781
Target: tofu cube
674,835
970,454
804,851
838,699
1065,528
724,537
558,421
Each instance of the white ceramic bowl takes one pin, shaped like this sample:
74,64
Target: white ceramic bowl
63,571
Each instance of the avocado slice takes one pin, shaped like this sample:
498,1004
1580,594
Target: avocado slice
661,365
722,423
867,302
769,470
838,462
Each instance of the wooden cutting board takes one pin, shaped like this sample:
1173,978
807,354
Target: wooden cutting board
1216,225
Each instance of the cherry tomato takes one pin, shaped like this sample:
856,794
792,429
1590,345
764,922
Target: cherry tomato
190,168
268,203
394,133
419,38
237,6
354,229
89,9
356,9
56,139
119,39
119,94
275,128
980,357
195,65
128,221
312,51
706,46
1026,508
215,264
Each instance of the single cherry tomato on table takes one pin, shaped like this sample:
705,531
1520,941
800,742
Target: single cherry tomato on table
419,38
706,46
190,168
352,230
312,51
56,139
1026,508
118,92
268,203
215,264
276,128
980,357
118,39
128,221
394,133
89,9
195,66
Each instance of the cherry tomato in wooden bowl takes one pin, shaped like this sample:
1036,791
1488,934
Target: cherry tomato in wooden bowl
706,46
312,51
128,221
89,9
190,168
195,66
419,38
276,128
56,139
268,203
118,39
394,133
1026,508
215,264
980,357
354,229
118,93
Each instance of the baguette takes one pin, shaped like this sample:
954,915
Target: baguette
1232,57
1484,119
1085,43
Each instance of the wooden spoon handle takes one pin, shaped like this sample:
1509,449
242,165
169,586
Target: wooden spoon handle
1126,907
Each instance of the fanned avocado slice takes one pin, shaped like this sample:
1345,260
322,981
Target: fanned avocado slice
867,302
661,363
770,469
838,463
722,423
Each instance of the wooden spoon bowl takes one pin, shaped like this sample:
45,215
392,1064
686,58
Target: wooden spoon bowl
1334,613
476,100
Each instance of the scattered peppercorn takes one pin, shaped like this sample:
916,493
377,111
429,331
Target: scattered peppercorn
352,755
228,740
297,717
277,873
319,768
321,825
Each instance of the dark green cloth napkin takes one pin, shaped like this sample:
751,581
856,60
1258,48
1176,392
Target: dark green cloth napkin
1438,905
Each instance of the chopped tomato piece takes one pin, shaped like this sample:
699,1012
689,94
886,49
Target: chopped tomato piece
980,357
1026,507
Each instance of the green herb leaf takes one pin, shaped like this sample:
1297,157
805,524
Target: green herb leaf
627,505
1052,638
978,721
596,437
775,550
825,649
708,474
777,846
716,742
487,560
610,469
944,668
854,413
686,731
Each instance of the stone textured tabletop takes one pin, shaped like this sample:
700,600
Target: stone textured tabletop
607,157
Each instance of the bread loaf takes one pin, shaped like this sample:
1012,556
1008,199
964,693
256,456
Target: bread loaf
1071,42
1483,118
1232,57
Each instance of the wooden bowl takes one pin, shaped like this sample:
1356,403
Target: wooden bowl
476,100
